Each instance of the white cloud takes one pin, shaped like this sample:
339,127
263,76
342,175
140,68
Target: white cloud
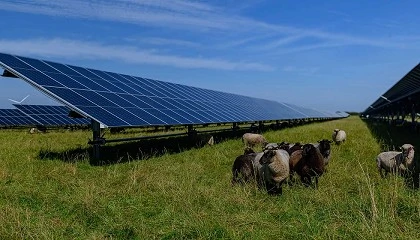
214,26
93,50
164,41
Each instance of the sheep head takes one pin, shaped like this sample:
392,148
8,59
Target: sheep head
408,153
325,146
268,157
248,150
307,149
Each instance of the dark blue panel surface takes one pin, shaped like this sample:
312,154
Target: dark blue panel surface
14,117
116,99
50,115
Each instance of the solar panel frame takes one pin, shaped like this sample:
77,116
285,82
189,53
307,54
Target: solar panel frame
119,100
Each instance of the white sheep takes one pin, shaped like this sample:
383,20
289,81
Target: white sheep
253,139
33,131
339,136
396,162
273,170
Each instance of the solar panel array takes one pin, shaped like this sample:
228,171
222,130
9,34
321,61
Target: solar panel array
118,100
14,117
51,115
408,85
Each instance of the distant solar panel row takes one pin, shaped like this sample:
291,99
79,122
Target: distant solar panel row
14,117
408,85
121,100
50,115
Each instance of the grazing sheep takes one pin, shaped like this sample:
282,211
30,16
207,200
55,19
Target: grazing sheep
295,157
324,147
274,170
294,147
245,166
271,146
339,136
252,139
396,162
311,164
33,131
248,150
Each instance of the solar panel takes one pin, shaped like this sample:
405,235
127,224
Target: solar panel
407,86
14,117
51,115
309,113
118,100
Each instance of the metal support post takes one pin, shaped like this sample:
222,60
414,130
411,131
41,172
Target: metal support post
96,128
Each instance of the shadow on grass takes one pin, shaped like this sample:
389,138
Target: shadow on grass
138,150
147,148
391,137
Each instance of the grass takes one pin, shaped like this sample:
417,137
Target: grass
188,195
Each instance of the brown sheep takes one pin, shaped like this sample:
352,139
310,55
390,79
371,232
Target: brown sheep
243,169
308,163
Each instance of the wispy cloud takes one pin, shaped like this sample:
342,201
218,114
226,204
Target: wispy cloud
212,27
280,42
163,41
300,70
176,14
92,50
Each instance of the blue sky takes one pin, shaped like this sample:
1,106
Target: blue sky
327,55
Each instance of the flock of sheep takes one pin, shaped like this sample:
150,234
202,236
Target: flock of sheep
278,162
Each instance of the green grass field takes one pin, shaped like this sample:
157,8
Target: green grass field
188,195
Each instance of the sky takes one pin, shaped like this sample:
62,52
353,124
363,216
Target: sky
327,55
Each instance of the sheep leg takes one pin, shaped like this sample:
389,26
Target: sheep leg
305,180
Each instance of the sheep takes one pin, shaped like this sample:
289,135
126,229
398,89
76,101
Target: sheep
248,150
309,163
324,147
271,146
396,162
252,139
274,170
294,159
294,147
33,131
339,136
243,169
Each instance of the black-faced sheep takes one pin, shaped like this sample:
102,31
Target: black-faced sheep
311,164
339,136
396,162
252,140
273,171
245,166
324,147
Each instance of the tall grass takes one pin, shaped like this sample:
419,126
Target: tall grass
188,195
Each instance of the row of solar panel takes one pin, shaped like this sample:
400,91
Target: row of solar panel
118,100
27,115
408,85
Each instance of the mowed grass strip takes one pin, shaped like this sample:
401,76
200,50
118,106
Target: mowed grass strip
188,195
